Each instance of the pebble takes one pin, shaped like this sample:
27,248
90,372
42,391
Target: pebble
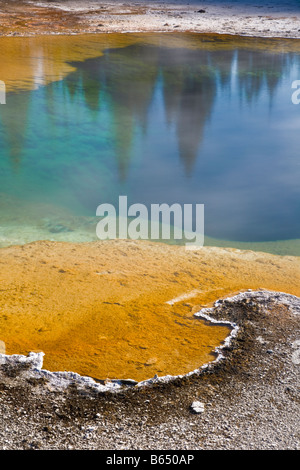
197,407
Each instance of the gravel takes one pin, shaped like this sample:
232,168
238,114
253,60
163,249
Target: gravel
272,18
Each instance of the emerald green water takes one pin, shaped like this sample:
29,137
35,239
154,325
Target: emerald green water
160,125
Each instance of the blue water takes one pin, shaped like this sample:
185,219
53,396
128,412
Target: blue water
161,125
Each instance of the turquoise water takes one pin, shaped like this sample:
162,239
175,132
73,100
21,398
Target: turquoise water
159,125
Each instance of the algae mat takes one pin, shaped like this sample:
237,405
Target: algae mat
124,309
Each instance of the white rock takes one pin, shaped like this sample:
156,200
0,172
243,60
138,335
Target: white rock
296,353
197,407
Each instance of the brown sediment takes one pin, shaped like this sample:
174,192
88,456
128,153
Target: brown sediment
23,18
103,308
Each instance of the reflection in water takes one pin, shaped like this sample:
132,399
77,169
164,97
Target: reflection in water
164,125
14,120
189,79
256,70
129,98
189,93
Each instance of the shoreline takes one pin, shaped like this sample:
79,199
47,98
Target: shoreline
242,395
247,401
84,284
274,19
30,367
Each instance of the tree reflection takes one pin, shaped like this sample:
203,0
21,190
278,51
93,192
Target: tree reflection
189,80
124,80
